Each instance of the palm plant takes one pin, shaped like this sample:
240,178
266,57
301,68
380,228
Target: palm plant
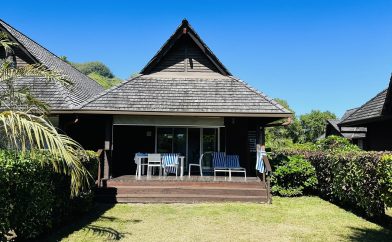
22,122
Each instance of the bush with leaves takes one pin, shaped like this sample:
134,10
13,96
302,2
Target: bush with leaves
334,142
358,180
293,176
34,198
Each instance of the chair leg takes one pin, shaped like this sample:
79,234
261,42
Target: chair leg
201,170
189,171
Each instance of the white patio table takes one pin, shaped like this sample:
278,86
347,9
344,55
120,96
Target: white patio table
138,162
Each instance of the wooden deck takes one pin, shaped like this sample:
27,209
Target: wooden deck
127,189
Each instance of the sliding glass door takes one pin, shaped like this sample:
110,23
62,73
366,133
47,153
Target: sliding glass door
171,140
189,142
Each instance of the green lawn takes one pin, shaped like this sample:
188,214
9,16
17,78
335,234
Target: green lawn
287,219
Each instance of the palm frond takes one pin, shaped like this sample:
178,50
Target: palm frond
8,72
26,132
6,43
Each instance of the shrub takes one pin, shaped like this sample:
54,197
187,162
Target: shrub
359,180
27,195
293,176
33,197
336,143
385,179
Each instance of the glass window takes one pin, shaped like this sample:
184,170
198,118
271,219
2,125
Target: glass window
164,140
179,140
210,140
210,144
171,140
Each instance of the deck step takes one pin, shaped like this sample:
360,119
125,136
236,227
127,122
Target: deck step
172,191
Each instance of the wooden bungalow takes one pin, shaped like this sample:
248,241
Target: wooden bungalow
356,135
183,101
376,116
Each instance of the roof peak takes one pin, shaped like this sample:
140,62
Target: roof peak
185,51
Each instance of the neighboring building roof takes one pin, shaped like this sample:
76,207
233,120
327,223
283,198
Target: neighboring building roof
347,132
377,107
56,95
348,113
186,77
334,123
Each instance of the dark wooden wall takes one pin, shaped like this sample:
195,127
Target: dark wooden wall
127,140
185,56
239,134
88,130
329,130
379,136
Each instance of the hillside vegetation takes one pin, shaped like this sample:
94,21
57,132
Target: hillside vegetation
97,71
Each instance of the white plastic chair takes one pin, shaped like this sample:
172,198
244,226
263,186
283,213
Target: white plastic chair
154,160
200,164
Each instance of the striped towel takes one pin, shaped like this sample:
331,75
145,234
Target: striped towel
259,162
233,161
218,160
169,161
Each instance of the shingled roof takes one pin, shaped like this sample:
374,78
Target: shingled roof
347,132
185,77
376,108
57,96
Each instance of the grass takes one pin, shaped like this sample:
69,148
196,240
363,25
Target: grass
287,219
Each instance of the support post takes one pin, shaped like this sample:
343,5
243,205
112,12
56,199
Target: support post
266,175
107,148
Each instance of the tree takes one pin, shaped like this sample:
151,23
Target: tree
97,71
94,67
313,124
282,136
23,127
306,128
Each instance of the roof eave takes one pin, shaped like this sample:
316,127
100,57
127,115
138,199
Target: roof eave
216,114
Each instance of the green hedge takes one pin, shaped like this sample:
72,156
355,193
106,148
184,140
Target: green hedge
356,179
293,176
33,197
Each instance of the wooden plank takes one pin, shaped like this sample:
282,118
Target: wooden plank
179,191
183,184
259,188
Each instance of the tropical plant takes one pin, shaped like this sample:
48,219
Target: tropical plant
22,123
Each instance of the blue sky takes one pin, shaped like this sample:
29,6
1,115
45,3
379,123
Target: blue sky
326,55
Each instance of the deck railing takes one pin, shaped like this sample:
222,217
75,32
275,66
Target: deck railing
267,178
